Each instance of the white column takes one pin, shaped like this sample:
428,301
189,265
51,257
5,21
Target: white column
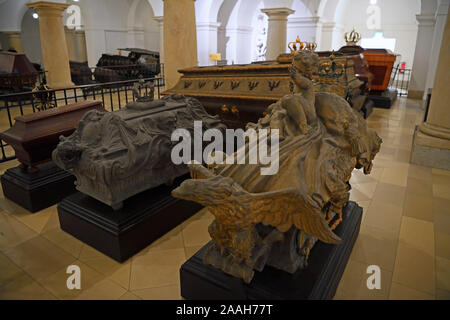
332,36
441,18
424,43
277,31
207,41
160,20
95,44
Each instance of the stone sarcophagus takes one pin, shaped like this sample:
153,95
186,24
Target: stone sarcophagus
33,137
116,155
277,219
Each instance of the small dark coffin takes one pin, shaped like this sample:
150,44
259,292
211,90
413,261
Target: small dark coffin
120,234
33,137
319,280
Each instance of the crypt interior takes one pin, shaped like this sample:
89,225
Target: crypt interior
405,200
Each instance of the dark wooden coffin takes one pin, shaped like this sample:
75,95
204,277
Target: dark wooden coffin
33,137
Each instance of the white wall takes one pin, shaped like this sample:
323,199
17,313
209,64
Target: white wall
398,20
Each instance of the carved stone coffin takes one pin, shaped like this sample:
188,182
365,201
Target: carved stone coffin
34,136
241,93
116,155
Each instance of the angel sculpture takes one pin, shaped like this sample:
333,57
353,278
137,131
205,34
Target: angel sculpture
276,220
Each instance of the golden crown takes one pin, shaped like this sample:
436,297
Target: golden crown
352,38
298,45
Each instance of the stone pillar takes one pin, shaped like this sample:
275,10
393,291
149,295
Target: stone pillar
431,145
441,18
55,55
180,38
160,20
277,31
14,41
424,43
207,35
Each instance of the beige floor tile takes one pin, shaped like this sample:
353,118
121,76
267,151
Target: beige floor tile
190,251
358,176
418,234
440,172
103,290
441,191
24,288
441,179
39,257
171,240
8,270
113,270
386,217
362,191
129,296
396,176
419,172
56,283
419,186
52,223
35,221
11,207
13,232
442,242
419,207
161,293
64,241
353,284
441,220
196,233
414,268
441,205
156,269
443,273
389,194
401,292
375,247
442,294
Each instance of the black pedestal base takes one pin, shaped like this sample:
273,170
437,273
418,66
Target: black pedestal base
318,281
383,99
120,234
39,190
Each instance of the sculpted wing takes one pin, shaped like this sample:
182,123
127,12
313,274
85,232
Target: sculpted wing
287,207
280,209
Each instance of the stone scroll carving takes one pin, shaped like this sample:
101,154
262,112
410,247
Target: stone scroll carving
115,155
275,220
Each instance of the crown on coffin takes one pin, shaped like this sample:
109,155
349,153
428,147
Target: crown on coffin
331,71
352,38
298,45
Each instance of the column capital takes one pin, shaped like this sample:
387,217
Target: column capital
426,19
47,8
278,13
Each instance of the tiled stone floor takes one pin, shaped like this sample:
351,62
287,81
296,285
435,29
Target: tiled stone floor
405,231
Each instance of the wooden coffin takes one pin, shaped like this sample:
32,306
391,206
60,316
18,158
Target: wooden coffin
380,63
33,137
240,93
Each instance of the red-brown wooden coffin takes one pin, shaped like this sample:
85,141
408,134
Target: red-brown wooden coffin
33,137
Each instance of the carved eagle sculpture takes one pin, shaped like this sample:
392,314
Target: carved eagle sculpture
281,209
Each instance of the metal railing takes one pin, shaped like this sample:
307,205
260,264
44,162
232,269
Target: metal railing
400,79
114,96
